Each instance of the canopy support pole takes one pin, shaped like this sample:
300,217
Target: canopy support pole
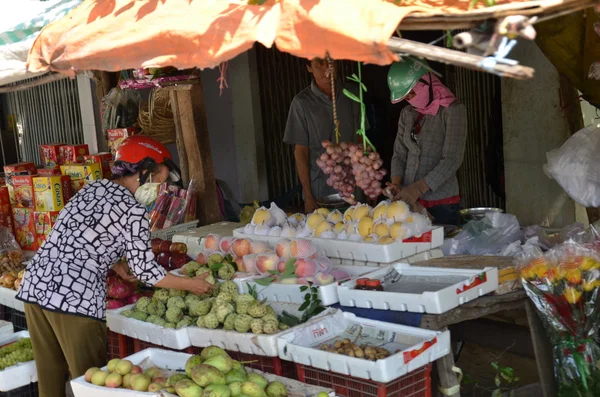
458,58
187,102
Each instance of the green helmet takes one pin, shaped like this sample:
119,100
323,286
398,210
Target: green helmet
404,75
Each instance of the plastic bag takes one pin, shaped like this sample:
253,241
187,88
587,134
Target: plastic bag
488,236
576,166
120,108
564,286
11,255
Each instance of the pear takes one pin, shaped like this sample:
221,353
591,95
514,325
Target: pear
211,351
222,363
258,379
314,220
365,226
253,390
205,375
322,228
191,363
217,391
187,388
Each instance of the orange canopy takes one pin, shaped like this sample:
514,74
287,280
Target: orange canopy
114,35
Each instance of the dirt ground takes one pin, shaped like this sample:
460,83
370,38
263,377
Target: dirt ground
476,363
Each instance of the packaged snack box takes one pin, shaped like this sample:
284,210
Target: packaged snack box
25,228
116,136
82,174
48,171
73,154
23,191
43,223
102,158
50,154
66,187
48,193
17,169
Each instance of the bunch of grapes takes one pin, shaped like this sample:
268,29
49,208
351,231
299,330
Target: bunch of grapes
336,163
366,168
349,165
15,353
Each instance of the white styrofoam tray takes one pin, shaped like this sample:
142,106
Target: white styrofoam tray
8,297
192,238
421,256
18,375
261,345
175,361
417,347
172,338
368,252
420,289
291,293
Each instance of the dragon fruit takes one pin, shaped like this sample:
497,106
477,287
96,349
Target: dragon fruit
135,297
114,304
119,288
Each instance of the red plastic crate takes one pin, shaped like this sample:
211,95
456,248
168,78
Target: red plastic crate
414,384
118,346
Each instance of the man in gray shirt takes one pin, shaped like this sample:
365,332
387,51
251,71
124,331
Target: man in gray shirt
310,122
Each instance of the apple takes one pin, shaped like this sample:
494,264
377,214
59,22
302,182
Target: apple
178,248
163,259
202,258
266,262
177,261
165,246
156,245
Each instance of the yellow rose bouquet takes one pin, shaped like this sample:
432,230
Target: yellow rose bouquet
564,284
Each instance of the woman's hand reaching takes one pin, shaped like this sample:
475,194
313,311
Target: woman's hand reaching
122,270
199,286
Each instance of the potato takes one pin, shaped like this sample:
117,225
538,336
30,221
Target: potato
338,344
346,341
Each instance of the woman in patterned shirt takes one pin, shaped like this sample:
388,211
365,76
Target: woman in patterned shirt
64,288
430,143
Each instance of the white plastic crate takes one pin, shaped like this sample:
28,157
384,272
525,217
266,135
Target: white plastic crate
174,361
168,233
415,347
366,252
8,297
173,338
291,293
420,289
21,374
261,345
193,237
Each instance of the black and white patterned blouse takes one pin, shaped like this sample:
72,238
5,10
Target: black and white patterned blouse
100,225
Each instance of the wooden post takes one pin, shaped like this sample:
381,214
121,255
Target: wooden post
190,121
543,351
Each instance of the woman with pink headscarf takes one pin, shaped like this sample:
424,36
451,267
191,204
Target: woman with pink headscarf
430,144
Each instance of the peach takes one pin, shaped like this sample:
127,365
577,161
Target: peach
225,244
289,280
249,262
202,258
281,265
211,242
258,247
266,263
241,247
324,278
302,248
136,370
240,264
283,248
305,267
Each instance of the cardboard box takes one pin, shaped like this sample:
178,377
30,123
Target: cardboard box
73,154
102,158
116,136
49,171
51,155
17,169
48,193
82,174
25,228
23,194
44,222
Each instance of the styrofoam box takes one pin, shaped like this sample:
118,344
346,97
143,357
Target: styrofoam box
261,345
419,347
367,252
8,297
422,256
291,293
421,289
192,238
18,375
175,361
168,337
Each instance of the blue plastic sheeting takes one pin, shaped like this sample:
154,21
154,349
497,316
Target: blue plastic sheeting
388,316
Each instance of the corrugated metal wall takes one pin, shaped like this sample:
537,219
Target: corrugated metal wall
45,114
481,176
281,77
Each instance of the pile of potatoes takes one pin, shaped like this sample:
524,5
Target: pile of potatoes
346,347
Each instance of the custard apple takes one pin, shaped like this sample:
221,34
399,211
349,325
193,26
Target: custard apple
256,326
174,315
229,323
200,308
242,323
210,321
226,272
176,301
162,295
257,310
223,310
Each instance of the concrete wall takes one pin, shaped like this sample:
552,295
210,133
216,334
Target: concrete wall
235,128
533,125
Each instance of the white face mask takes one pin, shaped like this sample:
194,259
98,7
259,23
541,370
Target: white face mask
147,193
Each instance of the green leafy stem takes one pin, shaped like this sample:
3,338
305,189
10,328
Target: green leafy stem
361,88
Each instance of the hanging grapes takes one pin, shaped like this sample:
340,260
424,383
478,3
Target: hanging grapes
348,164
